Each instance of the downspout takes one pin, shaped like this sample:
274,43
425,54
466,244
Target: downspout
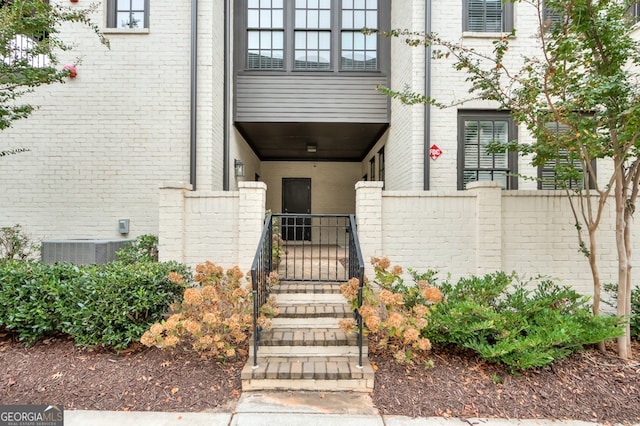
227,84
194,93
427,93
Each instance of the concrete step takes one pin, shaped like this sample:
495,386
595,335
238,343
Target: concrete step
309,298
306,287
324,310
308,373
307,337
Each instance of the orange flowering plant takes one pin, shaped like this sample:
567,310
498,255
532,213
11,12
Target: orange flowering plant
394,311
215,315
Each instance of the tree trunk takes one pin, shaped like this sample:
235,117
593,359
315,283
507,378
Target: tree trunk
594,271
624,341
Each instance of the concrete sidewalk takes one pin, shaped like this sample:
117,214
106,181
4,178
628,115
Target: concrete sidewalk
290,409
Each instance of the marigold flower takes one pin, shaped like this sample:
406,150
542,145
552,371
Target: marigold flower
175,277
230,353
411,335
386,297
157,329
397,270
384,263
373,323
193,297
211,319
432,294
209,292
395,320
422,284
192,327
367,311
423,344
400,357
170,341
421,323
172,322
420,310
347,325
148,339
205,342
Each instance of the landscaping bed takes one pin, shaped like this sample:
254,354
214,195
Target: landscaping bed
589,385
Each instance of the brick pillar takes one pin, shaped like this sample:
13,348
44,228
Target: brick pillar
369,221
488,226
252,208
171,221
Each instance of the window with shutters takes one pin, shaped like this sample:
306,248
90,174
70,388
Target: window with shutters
487,16
476,131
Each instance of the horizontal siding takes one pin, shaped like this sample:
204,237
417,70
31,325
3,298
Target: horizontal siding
297,98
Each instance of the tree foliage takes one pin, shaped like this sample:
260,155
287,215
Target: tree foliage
29,46
582,78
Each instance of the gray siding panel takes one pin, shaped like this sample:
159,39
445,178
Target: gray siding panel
305,98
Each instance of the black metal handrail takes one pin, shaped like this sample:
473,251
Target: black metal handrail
356,270
306,247
260,270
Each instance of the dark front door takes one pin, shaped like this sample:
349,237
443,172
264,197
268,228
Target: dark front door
296,198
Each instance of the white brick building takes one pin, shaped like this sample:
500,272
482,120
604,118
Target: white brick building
151,130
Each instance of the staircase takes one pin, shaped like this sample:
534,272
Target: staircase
305,349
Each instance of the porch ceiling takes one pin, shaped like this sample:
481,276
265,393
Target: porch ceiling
289,141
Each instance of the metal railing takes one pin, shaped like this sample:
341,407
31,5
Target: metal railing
261,267
306,247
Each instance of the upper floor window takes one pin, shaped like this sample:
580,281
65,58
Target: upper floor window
476,131
265,34
312,35
128,14
487,16
359,51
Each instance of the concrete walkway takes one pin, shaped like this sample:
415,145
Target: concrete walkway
290,409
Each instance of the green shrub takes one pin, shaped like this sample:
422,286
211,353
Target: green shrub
114,304
505,322
29,292
109,305
634,320
142,249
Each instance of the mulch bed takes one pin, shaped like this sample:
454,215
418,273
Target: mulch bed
590,385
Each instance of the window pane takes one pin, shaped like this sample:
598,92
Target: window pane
301,19
312,19
371,20
347,4
471,156
253,40
137,5
325,19
278,19
124,5
276,4
277,40
347,19
358,19
253,19
253,4
301,40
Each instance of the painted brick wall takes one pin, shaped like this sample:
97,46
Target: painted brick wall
481,230
102,143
